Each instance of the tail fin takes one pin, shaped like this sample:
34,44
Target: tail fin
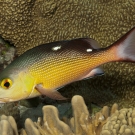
125,46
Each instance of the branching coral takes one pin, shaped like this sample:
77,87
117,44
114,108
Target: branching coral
121,122
85,124
51,125
104,122
8,126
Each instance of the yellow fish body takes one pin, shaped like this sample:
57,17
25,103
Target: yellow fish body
46,68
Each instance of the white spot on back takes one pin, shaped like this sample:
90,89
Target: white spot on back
56,48
89,50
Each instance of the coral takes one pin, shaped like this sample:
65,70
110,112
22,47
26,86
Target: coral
121,122
50,125
8,125
104,122
29,23
10,109
82,123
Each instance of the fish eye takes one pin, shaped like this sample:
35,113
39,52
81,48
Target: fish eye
6,83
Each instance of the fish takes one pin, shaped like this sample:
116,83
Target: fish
46,68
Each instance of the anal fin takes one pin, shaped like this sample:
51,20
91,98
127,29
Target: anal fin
49,93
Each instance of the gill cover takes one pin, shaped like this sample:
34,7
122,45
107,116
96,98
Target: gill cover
16,87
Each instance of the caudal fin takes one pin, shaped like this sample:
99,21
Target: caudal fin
125,46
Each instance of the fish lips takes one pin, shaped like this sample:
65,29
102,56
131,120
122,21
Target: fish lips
5,100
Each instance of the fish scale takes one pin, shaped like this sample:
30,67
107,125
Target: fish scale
64,68
58,68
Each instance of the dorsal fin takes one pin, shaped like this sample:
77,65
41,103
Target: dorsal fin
93,44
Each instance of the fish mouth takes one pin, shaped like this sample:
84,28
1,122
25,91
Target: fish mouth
2,102
6,100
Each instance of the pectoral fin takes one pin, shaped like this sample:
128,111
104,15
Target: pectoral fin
49,93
